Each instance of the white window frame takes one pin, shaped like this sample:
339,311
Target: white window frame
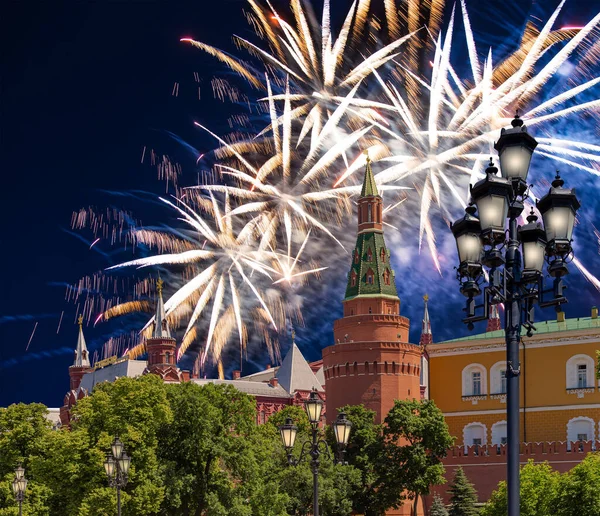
496,377
468,437
572,371
498,434
467,380
573,430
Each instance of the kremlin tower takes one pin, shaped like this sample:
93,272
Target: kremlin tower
425,341
371,362
161,347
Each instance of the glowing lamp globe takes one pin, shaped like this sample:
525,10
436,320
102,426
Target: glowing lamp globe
492,196
515,148
341,429
314,407
558,208
288,433
533,240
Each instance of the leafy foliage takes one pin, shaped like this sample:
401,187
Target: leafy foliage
539,483
463,496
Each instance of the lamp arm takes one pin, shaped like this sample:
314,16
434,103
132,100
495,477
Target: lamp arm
303,454
327,450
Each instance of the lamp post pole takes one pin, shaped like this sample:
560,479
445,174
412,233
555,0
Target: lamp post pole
19,485
515,264
117,467
341,429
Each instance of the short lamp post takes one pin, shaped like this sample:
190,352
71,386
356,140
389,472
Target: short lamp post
117,466
19,486
341,429
514,261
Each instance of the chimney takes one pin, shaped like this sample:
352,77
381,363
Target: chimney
185,375
594,312
560,317
236,375
274,382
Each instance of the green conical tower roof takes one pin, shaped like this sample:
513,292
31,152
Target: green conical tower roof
371,274
369,187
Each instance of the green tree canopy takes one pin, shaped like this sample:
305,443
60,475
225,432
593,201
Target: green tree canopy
579,489
437,507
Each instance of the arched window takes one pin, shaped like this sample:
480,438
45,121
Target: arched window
386,276
369,255
382,254
370,213
353,279
370,276
499,433
498,378
355,368
167,358
370,310
580,372
580,429
474,380
356,256
474,434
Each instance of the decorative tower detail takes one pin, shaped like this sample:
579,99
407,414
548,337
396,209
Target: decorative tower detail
161,347
81,364
493,323
371,362
424,342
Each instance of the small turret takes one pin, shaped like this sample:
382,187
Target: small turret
161,347
425,341
493,323
81,363
426,336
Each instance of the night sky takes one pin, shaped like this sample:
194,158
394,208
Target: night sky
84,87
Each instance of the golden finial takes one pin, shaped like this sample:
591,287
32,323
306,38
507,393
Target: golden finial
366,153
80,320
293,336
159,285
426,297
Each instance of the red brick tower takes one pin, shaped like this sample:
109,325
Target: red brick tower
493,323
81,365
371,362
425,341
161,347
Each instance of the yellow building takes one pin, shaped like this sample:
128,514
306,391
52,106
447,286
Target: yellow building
560,397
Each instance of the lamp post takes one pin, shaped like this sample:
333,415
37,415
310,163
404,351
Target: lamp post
514,264
341,429
19,485
117,466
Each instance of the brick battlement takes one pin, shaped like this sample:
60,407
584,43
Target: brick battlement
485,466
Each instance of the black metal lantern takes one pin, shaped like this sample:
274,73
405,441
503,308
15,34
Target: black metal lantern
109,466
314,407
468,242
492,196
117,448
288,433
515,148
558,208
533,241
341,429
124,463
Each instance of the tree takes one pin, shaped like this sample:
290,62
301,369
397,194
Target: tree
216,460
437,507
539,484
578,493
463,496
421,425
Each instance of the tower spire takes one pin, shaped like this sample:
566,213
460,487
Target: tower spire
82,358
161,327
493,323
369,188
426,336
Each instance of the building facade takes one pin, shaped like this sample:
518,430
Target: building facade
560,397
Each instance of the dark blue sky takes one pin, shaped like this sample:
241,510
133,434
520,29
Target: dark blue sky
84,87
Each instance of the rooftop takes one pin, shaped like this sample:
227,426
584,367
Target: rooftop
579,323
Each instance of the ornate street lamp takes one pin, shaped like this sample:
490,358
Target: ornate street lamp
341,429
515,261
19,485
116,467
